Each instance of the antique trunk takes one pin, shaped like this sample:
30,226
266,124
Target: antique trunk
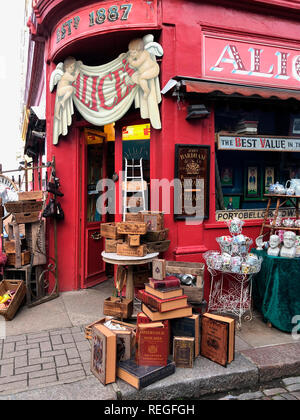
121,308
133,228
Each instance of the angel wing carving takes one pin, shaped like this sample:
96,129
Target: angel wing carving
56,75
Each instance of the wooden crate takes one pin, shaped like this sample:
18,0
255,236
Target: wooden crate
111,245
25,258
119,308
134,240
194,293
36,242
158,246
109,231
31,195
135,251
31,217
20,291
133,217
134,228
23,206
157,235
154,220
10,247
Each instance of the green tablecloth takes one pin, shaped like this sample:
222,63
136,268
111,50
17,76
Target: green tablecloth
276,290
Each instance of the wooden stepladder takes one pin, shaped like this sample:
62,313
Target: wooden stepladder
134,183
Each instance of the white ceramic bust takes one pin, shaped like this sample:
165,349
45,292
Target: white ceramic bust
260,243
274,249
288,249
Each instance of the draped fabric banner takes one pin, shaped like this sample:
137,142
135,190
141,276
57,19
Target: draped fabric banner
103,94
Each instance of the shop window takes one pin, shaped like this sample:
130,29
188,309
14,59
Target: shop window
257,145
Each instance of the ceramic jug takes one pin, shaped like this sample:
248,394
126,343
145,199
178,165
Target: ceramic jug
295,184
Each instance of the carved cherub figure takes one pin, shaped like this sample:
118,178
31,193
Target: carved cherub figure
66,73
140,58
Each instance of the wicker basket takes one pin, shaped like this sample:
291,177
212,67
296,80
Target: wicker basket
23,206
20,291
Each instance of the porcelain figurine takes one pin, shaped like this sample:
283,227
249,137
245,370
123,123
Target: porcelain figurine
288,249
274,249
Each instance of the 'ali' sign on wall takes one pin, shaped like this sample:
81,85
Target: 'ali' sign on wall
103,94
255,63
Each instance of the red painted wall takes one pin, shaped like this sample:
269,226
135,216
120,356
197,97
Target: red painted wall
181,25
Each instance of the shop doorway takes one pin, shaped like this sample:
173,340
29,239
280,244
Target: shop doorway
98,165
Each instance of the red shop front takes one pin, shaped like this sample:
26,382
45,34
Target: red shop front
220,66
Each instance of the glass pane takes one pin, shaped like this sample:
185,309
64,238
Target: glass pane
94,174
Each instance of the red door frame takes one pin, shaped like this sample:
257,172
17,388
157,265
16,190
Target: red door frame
88,228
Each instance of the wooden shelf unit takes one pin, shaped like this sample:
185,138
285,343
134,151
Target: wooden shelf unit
281,200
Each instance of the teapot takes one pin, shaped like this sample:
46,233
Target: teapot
277,188
295,184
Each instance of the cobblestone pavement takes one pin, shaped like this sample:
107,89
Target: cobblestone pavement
39,359
284,389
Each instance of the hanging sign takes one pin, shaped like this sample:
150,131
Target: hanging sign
259,143
257,63
103,94
136,132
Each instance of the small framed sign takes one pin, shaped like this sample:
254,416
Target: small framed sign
269,178
227,176
191,183
252,181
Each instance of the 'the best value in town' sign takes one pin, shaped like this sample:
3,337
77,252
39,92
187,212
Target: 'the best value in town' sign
259,143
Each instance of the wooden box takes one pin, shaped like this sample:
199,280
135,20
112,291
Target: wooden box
30,195
135,251
10,247
159,246
36,242
111,245
194,293
157,235
20,291
109,231
133,228
27,217
25,258
154,220
134,240
119,308
133,217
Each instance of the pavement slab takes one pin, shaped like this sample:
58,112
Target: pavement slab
206,377
275,361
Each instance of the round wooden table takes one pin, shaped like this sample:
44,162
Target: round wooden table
113,258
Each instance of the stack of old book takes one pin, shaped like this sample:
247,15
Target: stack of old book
246,127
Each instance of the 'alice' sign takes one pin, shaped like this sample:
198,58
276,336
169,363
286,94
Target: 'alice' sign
259,143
